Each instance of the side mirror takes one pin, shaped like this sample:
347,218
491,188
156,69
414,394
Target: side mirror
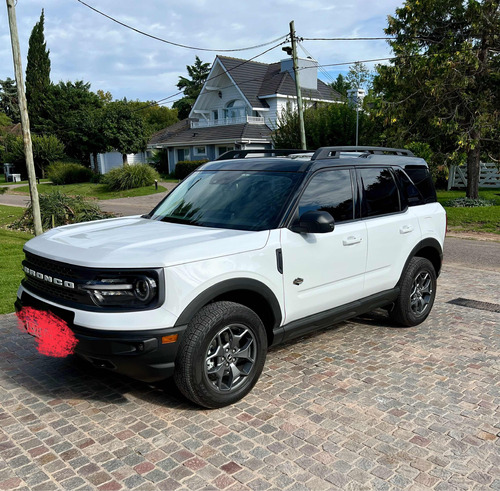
314,222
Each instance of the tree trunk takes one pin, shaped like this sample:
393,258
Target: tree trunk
95,165
124,157
473,168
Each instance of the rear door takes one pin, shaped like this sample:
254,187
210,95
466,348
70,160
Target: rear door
392,227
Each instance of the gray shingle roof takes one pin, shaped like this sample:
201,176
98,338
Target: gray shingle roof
212,134
167,133
248,76
256,80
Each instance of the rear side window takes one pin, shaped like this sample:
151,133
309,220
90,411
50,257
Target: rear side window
381,195
411,196
422,178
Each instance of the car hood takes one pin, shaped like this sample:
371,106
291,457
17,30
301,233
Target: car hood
138,242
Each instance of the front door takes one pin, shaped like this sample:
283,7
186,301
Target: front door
323,271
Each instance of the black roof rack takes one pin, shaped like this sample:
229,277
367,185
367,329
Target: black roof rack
334,152
271,152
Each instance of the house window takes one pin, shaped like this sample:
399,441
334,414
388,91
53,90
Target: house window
215,114
221,150
200,150
182,154
235,109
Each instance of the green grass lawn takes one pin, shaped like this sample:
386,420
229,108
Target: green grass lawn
478,219
91,190
11,247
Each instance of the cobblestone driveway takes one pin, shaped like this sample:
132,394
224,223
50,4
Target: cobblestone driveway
361,406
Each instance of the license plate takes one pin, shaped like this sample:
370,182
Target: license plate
52,334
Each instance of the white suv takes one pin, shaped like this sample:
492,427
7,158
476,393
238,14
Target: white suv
245,253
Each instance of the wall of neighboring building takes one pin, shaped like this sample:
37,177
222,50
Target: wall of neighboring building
112,160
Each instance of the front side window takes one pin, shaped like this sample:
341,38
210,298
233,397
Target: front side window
381,195
329,191
242,200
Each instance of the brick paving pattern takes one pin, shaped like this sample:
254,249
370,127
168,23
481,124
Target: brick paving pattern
360,406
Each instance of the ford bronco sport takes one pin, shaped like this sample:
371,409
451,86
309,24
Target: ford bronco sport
243,254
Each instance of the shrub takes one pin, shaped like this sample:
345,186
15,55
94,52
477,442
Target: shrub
130,176
68,173
467,203
57,208
185,167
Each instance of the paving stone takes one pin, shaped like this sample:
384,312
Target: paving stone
358,406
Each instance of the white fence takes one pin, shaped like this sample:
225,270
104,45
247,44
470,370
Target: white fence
489,176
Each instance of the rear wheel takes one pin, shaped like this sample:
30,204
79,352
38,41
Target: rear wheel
221,355
418,291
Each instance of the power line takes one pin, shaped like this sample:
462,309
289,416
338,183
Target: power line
349,39
177,44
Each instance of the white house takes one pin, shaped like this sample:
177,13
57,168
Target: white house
238,108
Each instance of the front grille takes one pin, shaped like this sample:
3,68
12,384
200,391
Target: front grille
64,272
63,283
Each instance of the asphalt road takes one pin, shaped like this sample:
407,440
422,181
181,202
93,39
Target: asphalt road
474,254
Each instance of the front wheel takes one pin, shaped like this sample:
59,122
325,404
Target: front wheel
221,356
418,291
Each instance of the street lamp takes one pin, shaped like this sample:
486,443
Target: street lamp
356,96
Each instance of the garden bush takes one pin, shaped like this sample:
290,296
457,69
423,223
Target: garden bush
68,173
468,203
185,167
57,209
130,177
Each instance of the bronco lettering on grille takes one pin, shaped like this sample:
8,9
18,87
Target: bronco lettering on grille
48,278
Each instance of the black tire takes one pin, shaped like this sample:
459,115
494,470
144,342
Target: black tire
418,291
221,355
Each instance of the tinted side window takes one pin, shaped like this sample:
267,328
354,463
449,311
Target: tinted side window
422,178
329,191
411,195
381,194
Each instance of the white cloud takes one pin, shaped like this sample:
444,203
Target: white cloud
85,45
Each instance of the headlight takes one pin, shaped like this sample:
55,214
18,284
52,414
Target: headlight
132,291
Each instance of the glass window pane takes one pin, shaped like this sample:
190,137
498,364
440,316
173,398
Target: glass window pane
329,191
380,192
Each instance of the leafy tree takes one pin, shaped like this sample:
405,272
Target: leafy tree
9,103
191,87
65,113
326,125
37,70
155,117
123,129
359,77
341,85
46,149
4,120
443,86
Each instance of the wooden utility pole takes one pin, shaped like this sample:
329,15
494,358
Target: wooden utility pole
300,107
25,122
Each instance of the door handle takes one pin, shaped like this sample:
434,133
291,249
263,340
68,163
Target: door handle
406,229
351,240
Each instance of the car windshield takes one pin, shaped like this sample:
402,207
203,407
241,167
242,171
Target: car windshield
243,200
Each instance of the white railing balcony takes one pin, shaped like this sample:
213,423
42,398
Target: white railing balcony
205,123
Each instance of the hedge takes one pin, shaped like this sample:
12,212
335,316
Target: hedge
185,167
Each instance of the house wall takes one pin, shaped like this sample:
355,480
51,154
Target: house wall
112,160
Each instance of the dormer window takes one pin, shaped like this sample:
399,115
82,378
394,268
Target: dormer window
235,109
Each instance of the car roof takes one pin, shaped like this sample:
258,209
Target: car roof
300,164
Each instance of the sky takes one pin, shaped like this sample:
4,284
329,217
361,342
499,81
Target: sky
85,45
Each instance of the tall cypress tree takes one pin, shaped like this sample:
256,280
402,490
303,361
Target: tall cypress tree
37,70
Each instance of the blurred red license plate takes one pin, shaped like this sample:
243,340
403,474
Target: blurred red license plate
53,336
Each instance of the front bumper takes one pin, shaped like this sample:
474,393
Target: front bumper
138,354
